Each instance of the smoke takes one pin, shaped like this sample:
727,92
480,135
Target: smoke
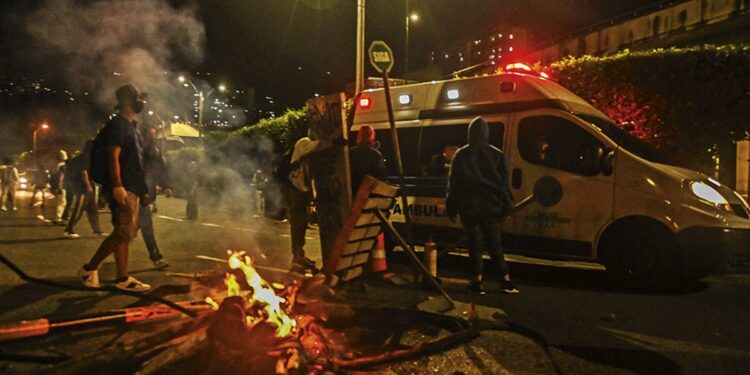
98,46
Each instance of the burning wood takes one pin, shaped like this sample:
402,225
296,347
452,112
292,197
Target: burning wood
255,326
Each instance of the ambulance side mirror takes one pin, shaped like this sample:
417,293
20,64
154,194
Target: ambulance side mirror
607,162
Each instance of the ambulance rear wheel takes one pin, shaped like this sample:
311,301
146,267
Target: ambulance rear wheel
641,257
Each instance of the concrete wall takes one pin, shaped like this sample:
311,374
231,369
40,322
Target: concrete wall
646,29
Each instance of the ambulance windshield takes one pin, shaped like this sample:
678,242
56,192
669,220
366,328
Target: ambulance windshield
626,140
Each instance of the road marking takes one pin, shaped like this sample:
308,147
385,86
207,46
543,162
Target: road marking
170,218
212,225
553,263
258,266
538,261
674,346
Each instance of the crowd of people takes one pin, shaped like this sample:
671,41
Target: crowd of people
124,167
478,191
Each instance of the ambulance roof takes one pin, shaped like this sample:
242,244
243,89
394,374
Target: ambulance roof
467,98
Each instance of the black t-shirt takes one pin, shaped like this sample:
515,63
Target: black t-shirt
74,169
120,132
365,161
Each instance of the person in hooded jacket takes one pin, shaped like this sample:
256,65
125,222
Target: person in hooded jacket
478,191
365,159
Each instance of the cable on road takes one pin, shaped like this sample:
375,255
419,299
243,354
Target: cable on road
108,288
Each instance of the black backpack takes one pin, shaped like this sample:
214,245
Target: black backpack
98,168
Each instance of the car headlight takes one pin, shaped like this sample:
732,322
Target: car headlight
708,194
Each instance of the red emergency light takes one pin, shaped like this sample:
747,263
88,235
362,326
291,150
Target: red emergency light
365,103
518,66
521,68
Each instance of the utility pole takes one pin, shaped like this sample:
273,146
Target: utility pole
409,18
359,83
406,44
201,100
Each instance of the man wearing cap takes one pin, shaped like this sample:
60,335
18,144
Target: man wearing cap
126,189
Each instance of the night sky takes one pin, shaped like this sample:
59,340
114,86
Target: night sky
263,44
285,49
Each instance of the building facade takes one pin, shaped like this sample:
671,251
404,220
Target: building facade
662,25
484,53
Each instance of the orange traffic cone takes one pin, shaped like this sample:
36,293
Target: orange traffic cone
377,257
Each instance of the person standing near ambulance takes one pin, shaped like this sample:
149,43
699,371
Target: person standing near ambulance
478,191
365,159
299,195
124,182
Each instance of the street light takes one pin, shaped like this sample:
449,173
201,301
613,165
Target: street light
43,127
201,99
410,17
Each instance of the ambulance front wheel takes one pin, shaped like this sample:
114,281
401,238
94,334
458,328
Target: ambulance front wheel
641,255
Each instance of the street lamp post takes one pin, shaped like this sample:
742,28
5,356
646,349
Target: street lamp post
410,17
201,100
359,81
44,126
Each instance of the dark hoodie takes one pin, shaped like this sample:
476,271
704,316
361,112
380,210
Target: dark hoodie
478,182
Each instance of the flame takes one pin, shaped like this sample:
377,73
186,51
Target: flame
211,302
261,292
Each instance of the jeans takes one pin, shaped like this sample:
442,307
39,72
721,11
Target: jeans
297,204
60,204
483,232
147,231
79,203
69,198
8,189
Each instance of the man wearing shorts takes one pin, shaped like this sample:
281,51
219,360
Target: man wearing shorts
126,189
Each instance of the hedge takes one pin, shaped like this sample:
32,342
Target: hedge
692,103
255,147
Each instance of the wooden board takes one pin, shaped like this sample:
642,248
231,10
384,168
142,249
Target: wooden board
357,238
330,168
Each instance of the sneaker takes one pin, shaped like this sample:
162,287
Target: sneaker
90,279
132,285
5,209
15,208
508,287
477,288
304,264
71,235
161,263
101,234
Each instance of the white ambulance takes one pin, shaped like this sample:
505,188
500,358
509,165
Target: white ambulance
600,194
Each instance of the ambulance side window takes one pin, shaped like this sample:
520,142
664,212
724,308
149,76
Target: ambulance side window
558,143
408,139
439,145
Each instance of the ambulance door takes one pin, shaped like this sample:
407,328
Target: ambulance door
437,144
558,158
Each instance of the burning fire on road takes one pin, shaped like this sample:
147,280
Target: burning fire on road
245,323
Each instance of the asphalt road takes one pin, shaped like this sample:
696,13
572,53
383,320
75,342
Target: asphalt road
703,329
